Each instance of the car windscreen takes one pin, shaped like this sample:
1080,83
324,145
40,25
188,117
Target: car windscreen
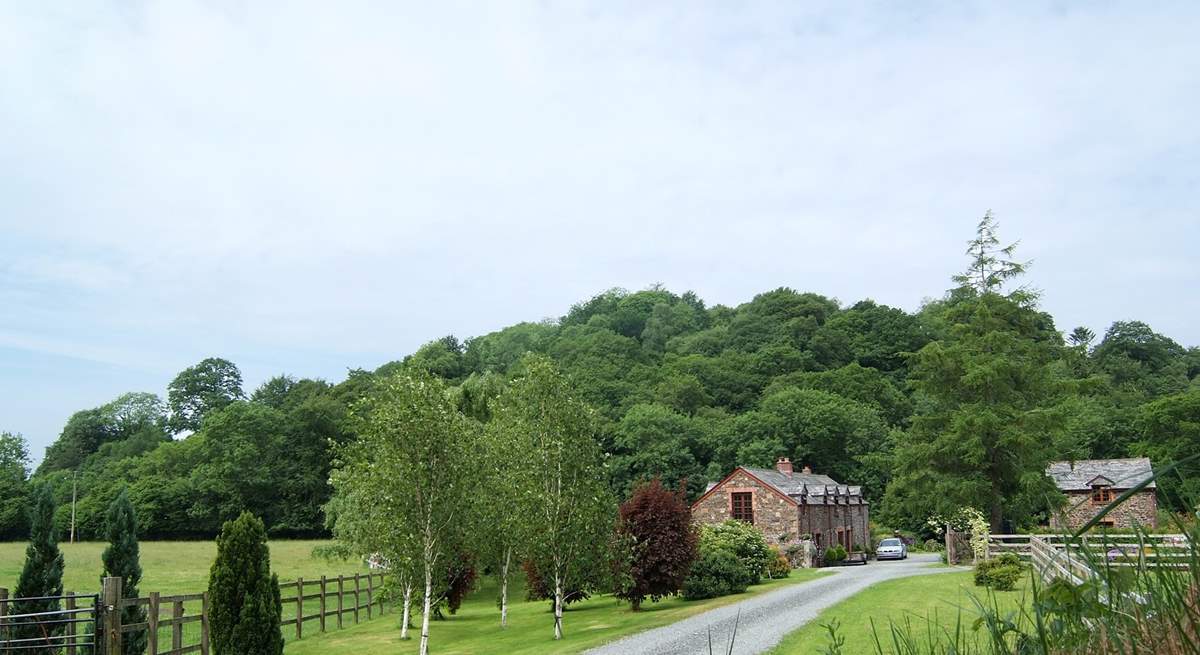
890,542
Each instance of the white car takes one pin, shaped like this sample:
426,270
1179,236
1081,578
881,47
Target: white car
891,549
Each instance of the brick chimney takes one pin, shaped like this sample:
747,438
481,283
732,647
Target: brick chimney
806,470
784,466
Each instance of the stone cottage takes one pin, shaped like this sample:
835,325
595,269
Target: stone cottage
787,505
1090,484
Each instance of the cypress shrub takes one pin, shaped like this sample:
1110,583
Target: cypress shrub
121,560
41,576
243,593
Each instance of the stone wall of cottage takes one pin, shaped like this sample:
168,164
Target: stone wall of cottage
824,521
773,514
1140,509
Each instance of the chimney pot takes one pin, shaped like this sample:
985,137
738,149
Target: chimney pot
784,466
806,470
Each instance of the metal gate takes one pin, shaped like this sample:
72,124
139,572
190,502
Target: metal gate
48,624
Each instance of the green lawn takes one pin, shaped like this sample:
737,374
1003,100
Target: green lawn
916,600
476,627
171,567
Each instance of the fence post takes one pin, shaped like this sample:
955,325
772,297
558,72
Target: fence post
299,607
380,601
357,577
3,608
177,625
322,603
152,624
370,594
112,615
70,616
340,592
204,624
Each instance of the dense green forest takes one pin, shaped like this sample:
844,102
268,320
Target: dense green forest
961,402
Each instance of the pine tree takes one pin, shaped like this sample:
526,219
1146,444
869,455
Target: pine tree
989,419
121,561
41,577
243,593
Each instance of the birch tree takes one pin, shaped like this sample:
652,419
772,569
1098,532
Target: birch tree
402,485
500,521
567,504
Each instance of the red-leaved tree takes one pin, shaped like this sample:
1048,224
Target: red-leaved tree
656,527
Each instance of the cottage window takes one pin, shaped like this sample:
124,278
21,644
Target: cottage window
743,506
1101,495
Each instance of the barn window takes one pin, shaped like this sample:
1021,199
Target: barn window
743,506
1101,495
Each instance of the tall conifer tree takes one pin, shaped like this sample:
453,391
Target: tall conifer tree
41,577
121,560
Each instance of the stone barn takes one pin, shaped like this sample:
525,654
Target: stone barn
787,505
1090,484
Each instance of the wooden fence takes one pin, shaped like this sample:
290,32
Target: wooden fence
178,624
1116,550
333,597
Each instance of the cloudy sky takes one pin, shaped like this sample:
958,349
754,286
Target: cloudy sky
304,187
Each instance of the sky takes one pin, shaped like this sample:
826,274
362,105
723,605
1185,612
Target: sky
304,187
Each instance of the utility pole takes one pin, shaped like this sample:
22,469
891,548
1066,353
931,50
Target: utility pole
74,488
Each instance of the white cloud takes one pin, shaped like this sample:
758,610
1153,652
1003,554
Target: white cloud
344,181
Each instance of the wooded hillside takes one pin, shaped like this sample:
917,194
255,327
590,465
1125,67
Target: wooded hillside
869,394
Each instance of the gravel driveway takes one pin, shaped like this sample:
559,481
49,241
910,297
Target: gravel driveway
766,619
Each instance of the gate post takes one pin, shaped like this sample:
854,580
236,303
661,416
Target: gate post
71,616
112,615
3,608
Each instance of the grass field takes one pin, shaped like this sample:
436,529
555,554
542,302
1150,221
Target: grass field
916,600
476,627
171,567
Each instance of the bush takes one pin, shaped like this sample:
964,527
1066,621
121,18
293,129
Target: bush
744,541
779,566
1000,573
717,572
835,554
933,546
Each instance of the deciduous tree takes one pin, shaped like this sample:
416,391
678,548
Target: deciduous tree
656,525
569,504
413,464
200,389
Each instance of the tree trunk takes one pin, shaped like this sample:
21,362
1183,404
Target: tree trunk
428,606
997,515
558,605
405,617
504,588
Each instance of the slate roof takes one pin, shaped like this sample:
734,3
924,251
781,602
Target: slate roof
1119,473
808,488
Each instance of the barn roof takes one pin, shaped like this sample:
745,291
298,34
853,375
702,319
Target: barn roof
1082,474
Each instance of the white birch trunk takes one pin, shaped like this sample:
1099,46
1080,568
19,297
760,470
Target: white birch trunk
504,588
424,649
558,606
406,617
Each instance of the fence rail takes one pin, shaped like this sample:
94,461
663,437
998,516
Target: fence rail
330,600
174,624
1117,550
